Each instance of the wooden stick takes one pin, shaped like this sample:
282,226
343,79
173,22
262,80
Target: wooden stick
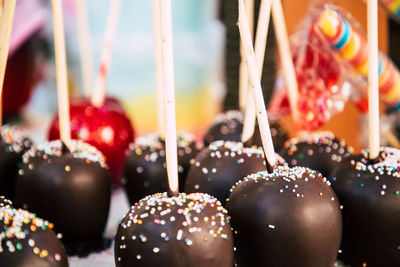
285,55
158,66
7,18
99,93
169,96
260,46
85,46
373,80
61,72
243,76
255,85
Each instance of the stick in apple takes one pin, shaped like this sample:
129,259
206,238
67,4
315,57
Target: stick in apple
85,46
260,46
169,96
255,85
158,65
7,18
243,76
61,72
285,55
373,82
99,93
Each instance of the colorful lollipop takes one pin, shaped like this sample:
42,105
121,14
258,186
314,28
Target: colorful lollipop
352,47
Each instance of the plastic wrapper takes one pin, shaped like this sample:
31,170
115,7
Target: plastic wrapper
330,53
323,84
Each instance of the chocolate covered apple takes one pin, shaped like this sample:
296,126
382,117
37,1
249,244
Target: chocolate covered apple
221,165
184,230
145,170
319,151
369,190
290,217
26,240
228,126
70,187
13,144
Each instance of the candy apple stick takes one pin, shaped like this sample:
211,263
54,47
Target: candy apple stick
260,45
169,96
255,85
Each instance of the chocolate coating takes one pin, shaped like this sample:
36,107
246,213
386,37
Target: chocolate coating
13,144
144,169
187,230
288,218
228,126
220,166
370,193
26,240
70,188
318,151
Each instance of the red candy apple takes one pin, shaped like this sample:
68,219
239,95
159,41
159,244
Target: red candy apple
107,128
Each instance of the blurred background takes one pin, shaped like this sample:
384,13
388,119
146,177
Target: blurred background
201,38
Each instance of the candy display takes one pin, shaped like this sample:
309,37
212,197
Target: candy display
26,240
221,165
291,211
111,134
70,187
13,144
228,126
351,46
319,151
186,230
214,198
369,191
144,170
